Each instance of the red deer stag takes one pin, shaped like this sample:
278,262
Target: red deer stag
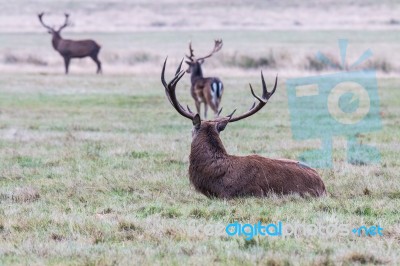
215,173
204,90
69,49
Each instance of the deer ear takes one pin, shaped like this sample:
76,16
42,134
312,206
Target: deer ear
222,124
201,61
196,121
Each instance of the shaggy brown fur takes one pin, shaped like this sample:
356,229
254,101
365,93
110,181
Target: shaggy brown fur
215,173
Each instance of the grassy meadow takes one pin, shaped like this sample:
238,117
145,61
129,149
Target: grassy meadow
94,168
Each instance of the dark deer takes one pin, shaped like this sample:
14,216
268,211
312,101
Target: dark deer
69,49
204,90
215,173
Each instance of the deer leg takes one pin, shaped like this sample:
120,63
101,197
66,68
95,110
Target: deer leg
216,110
197,106
66,63
205,110
98,63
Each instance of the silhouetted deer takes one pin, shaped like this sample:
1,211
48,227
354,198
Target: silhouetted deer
69,49
215,173
206,90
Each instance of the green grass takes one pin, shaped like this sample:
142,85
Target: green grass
100,176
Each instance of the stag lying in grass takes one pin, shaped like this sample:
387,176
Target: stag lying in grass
215,173
204,90
69,49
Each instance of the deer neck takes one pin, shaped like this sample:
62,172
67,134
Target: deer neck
209,162
197,74
207,148
56,40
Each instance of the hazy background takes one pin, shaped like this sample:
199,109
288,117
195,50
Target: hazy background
137,35
118,15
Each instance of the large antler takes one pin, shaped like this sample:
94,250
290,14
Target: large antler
261,101
217,46
66,23
41,21
170,91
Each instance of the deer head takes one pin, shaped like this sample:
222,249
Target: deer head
195,63
53,30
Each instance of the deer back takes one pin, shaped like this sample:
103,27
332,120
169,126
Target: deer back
215,173
210,88
77,49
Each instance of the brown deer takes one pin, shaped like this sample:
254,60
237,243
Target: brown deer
215,173
204,90
69,49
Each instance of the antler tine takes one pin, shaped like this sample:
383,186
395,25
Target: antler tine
217,46
255,96
261,101
191,56
190,111
66,23
174,81
162,74
274,89
220,111
170,90
40,15
171,83
179,68
230,115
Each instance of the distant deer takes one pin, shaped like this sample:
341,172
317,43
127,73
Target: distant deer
215,173
69,49
204,90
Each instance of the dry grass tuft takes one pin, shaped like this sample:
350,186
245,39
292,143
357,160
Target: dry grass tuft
314,64
362,259
250,62
25,194
26,59
381,64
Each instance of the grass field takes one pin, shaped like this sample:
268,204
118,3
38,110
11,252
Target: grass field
94,169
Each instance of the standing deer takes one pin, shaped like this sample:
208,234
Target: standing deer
204,90
69,49
215,173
